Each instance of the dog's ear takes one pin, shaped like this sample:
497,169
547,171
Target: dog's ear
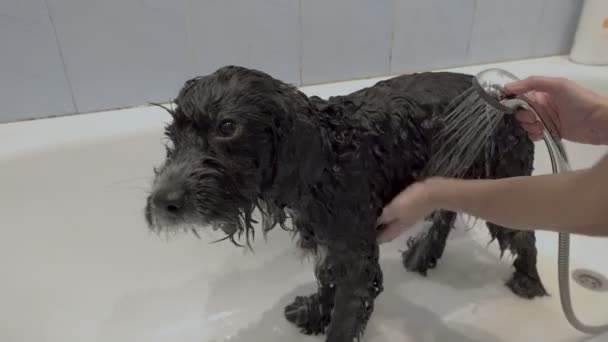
298,141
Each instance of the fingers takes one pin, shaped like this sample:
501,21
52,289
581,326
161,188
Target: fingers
535,136
526,117
392,226
390,212
531,124
535,130
537,83
403,211
390,232
386,216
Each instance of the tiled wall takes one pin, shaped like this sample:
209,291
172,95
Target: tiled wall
74,56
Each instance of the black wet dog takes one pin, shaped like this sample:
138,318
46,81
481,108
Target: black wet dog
241,140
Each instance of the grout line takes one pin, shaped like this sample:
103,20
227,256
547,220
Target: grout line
392,38
535,39
300,44
188,26
62,58
470,40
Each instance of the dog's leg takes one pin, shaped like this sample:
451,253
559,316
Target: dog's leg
313,313
359,283
424,252
525,281
517,160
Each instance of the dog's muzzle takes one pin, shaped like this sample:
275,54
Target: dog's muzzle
188,195
167,205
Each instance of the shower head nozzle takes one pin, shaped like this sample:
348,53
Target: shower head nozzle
490,85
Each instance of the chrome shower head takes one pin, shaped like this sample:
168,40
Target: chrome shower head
490,85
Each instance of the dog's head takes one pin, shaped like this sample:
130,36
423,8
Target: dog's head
239,139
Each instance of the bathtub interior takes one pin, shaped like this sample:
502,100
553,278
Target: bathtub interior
79,264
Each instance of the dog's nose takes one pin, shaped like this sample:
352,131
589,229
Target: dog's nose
170,201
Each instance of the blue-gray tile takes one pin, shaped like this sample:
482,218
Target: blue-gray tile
504,30
558,24
123,52
430,34
343,39
33,82
261,34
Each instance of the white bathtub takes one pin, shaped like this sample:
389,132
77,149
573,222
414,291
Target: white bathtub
78,263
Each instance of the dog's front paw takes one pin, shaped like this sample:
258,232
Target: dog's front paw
525,286
418,256
308,314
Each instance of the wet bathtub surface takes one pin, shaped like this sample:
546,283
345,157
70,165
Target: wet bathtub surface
78,263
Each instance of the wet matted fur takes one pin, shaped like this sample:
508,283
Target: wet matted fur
241,140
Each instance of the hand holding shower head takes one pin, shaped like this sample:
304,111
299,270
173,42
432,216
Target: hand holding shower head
490,85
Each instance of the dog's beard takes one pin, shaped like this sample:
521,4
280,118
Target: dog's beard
221,215
226,223
234,226
243,223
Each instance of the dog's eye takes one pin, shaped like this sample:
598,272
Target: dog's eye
227,128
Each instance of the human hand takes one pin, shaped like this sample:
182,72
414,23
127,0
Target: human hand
572,112
409,207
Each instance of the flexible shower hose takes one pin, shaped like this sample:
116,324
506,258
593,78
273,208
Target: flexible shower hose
560,163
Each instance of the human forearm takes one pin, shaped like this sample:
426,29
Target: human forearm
575,202
601,128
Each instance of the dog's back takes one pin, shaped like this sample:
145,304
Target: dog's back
432,91
402,116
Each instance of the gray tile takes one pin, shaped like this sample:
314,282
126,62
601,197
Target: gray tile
504,30
33,82
123,52
431,33
261,34
343,39
558,25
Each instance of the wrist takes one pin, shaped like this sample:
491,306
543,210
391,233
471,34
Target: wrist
436,192
453,194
